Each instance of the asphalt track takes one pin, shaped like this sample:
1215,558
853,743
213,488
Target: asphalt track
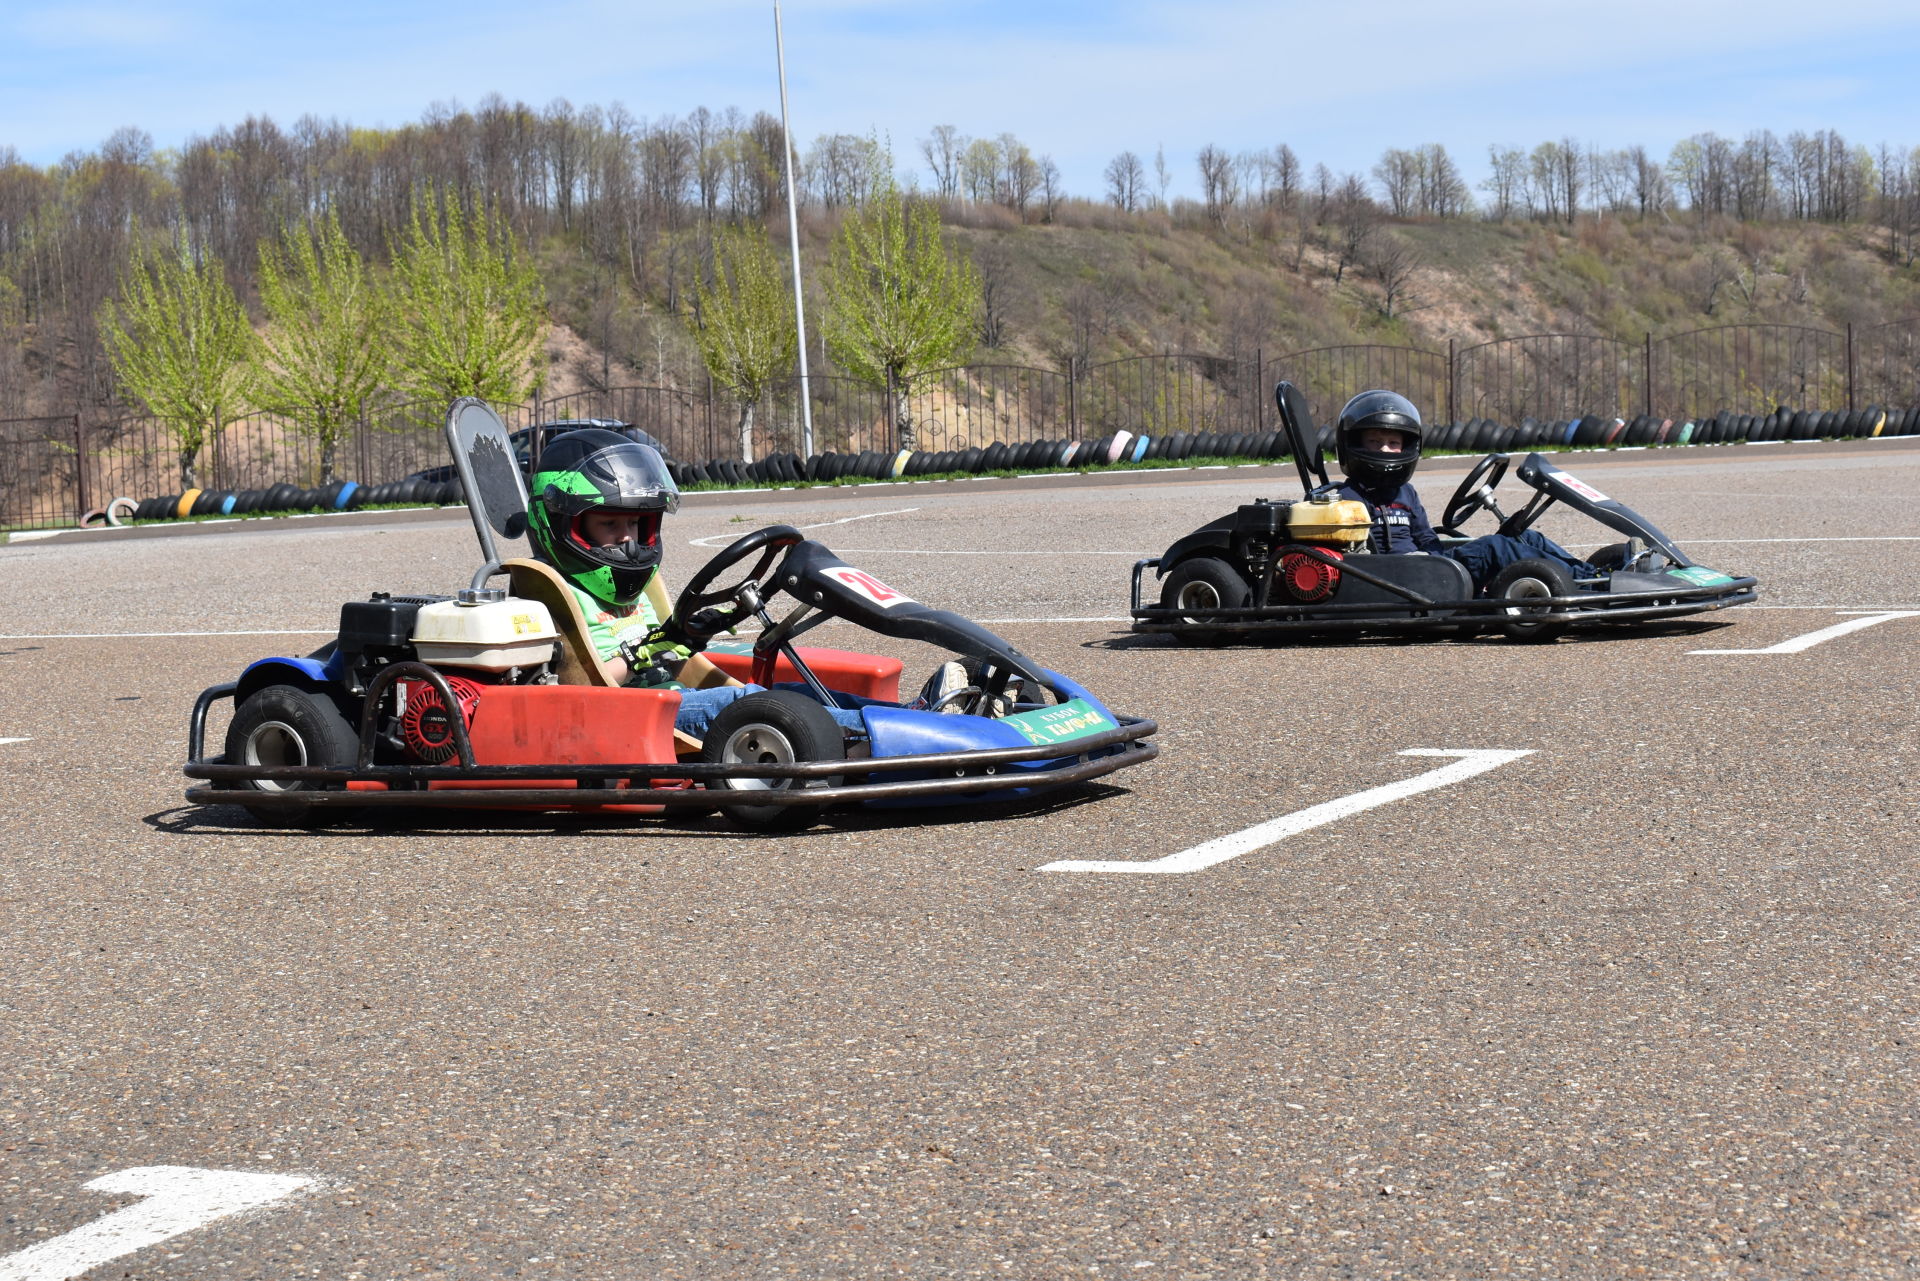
1637,1002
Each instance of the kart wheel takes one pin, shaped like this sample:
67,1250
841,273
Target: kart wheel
1203,584
772,727
1533,581
1609,558
288,725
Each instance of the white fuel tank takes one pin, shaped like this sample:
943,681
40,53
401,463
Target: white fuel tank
487,630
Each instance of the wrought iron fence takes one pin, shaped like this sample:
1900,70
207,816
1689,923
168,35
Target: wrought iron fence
54,469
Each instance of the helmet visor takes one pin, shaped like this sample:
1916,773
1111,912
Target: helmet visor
625,477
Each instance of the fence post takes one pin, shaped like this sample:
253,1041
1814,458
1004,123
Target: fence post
1849,366
709,416
1453,404
1646,374
1073,397
80,466
1259,363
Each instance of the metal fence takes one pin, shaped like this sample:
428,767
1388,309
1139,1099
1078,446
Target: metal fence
54,469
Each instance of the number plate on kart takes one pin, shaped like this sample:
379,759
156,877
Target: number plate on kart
1075,718
1701,576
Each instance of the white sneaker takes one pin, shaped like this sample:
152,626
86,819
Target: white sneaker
944,690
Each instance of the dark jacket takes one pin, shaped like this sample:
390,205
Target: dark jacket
1400,523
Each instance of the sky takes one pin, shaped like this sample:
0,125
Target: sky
1077,81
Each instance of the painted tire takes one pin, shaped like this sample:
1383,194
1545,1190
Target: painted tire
184,507
120,510
1140,446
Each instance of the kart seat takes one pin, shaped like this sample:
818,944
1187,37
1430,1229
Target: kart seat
578,661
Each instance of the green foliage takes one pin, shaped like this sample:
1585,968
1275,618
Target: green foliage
324,353
747,335
898,304
469,307
179,341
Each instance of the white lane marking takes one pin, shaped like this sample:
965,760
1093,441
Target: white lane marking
278,631
4,741
1221,849
1800,643
1863,538
179,1198
715,540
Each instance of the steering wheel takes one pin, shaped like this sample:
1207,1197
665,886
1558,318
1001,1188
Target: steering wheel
1475,492
770,543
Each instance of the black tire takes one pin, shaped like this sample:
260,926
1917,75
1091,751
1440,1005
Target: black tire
776,726
288,725
1203,583
1609,558
1531,580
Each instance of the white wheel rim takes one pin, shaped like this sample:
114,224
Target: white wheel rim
271,744
1198,595
758,745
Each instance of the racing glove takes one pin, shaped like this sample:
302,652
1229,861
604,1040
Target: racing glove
656,660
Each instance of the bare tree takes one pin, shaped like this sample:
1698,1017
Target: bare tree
1125,178
943,151
1355,219
1398,174
1506,182
1217,183
1391,263
1161,177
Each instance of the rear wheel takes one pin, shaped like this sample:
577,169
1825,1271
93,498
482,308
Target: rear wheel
1527,585
774,727
1609,558
1203,584
288,725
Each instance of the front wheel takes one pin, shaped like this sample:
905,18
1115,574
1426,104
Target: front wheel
288,725
772,727
1204,585
1527,585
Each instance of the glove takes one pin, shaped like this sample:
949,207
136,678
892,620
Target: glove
702,625
657,659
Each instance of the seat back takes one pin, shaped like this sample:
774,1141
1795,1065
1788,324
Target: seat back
578,662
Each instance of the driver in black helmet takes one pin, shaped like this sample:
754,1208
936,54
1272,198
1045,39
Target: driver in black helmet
1377,443
594,514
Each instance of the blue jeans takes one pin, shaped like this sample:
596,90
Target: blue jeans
1486,556
698,707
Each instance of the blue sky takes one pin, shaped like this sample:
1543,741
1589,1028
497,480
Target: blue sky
1077,81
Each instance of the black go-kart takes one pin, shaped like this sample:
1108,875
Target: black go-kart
1304,567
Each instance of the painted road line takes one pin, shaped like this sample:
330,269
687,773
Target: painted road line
178,1198
716,540
4,741
1800,643
1221,849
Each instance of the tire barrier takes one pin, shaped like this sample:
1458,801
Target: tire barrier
1119,449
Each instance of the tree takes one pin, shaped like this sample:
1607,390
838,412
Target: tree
178,340
1126,177
469,306
747,333
1217,182
898,304
324,353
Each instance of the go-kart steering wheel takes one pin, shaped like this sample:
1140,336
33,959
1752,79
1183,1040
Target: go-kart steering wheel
1475,492
770,542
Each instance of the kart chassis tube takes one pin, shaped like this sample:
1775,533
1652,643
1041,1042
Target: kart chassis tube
974,771
1586,607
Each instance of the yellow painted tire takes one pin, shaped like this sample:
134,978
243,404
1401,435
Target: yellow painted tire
186,504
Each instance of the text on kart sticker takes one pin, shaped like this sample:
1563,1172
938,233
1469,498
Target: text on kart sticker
867,585
1580,487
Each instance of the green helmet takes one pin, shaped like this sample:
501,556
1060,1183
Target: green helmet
595,470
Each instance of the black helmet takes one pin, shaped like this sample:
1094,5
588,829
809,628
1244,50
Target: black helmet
599,470
1374,469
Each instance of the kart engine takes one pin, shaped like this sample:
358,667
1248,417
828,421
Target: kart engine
1308,579
426,728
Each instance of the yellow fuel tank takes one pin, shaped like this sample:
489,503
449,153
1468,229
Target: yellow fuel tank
1342,522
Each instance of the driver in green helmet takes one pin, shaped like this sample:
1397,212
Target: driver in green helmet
594,514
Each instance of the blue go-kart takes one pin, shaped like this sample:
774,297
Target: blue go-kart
496,699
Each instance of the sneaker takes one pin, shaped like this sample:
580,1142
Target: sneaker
944,689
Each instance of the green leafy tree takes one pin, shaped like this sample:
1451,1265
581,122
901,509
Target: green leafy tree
324,353
179,340
747,333
898,304
469,306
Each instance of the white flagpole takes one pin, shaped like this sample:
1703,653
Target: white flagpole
793,235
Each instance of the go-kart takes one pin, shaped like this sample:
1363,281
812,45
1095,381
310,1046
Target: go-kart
498,699
1304,566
